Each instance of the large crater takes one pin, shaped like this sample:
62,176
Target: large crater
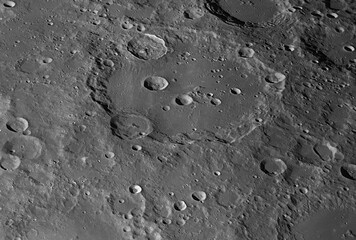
239,12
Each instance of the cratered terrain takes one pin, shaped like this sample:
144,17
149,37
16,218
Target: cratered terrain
177,120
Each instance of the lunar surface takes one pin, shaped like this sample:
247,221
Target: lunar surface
178,120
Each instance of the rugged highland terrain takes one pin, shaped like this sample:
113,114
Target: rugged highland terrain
178,120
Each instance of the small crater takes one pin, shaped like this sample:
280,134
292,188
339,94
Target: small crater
24,147
137,147
273,166
275,77
180,205
216,101
155,83
147,47
18,124
10,162
194,13
130,126
348,171
235,91
199,196
135,189
184,100
10,4
349,48
246,52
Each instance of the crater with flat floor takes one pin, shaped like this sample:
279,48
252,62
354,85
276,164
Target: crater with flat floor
197,96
